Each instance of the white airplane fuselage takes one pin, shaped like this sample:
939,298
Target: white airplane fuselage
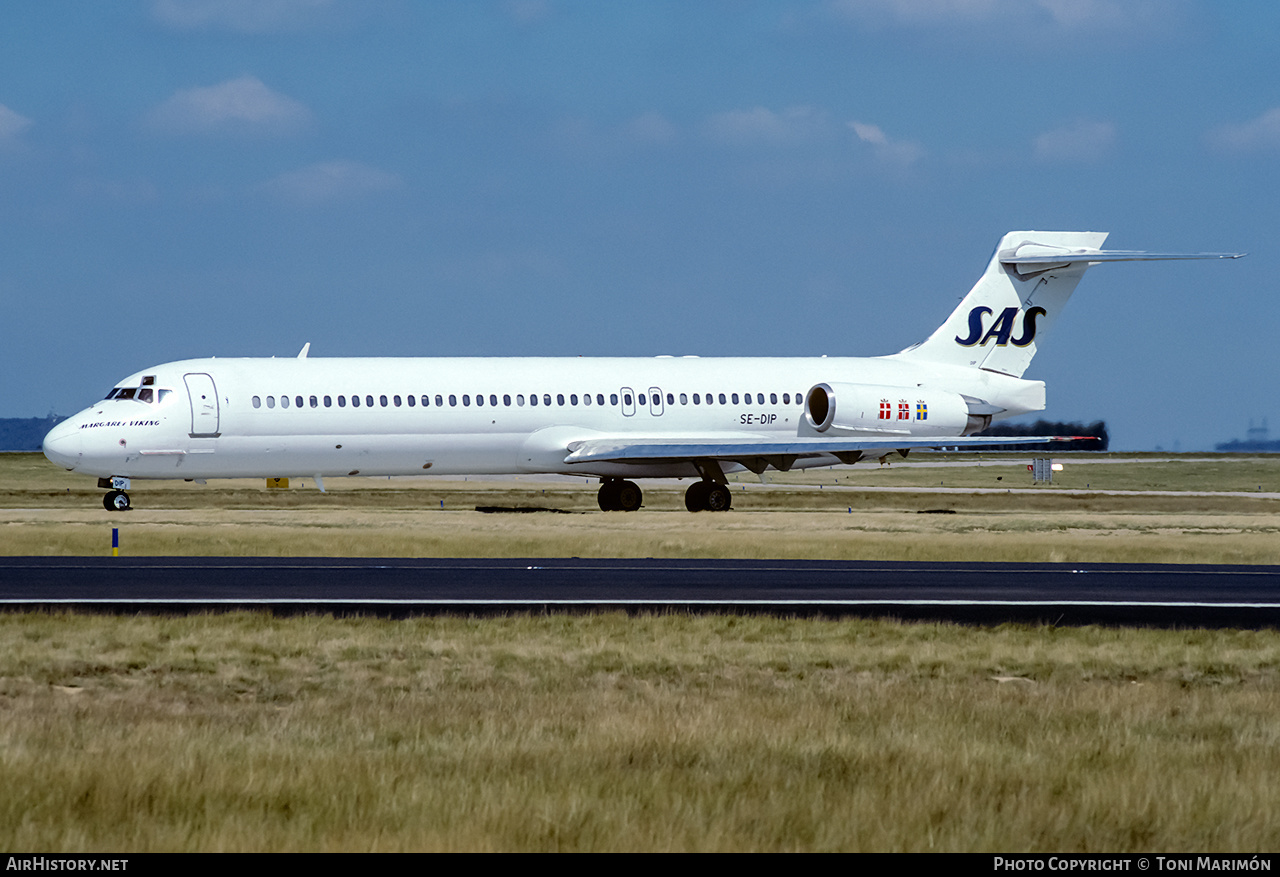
313,416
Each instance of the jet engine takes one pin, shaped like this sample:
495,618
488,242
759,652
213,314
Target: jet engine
839,409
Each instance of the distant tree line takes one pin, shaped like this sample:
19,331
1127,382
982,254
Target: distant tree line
1097,429
25,433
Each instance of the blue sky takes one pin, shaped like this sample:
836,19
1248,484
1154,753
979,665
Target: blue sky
185,178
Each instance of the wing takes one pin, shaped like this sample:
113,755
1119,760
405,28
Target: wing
759,454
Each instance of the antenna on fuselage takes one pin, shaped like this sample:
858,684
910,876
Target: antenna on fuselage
302,354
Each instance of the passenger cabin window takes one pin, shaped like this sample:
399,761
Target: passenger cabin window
257,402
271,401
355,401
342,401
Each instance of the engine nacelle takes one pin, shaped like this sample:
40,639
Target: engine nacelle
870,408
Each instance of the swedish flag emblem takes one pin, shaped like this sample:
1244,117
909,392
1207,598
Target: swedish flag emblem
922,411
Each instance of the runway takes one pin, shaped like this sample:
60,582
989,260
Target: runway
1147,594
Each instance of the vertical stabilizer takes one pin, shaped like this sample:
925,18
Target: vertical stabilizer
1005,316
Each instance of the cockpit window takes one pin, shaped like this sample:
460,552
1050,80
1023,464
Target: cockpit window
147,393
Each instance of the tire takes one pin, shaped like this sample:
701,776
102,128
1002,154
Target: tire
719,498
116,501
695,498
608,497
629,496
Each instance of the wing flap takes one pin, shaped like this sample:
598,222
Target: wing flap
779,453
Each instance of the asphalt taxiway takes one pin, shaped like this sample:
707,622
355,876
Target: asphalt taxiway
1150,594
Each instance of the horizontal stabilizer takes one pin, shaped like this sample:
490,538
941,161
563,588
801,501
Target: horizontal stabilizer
1036,254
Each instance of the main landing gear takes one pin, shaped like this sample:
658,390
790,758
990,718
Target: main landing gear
708,496
617,495
116,501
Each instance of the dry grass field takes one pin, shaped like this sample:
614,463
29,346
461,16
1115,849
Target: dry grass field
672,732
609,732
844,513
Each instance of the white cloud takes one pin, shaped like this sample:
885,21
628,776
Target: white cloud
243,104
245,16
651,127
527,11
903,152
12,124
331,180
1260,133
759,124
137,191
585,138
1058,14
1081,141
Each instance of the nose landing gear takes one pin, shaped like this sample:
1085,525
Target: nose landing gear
116,501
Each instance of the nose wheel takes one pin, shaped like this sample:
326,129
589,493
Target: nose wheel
116,501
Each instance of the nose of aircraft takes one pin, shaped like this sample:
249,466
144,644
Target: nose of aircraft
63,444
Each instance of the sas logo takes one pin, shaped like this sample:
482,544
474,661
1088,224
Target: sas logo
1002,328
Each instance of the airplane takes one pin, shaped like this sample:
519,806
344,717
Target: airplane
614,419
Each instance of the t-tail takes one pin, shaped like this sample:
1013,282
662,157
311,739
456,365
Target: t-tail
1001,322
